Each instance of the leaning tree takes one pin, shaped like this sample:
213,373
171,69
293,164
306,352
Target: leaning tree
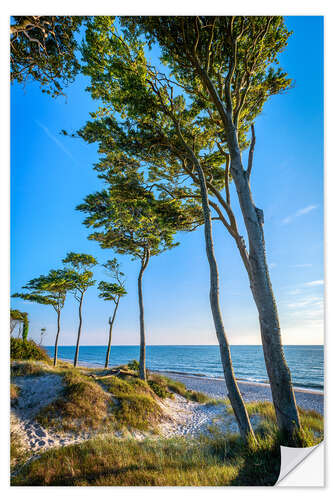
112,292
165,138
229,64
130,220
173,122
50,290
79,275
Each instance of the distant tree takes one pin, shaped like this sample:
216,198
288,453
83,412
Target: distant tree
19,318
134,222
80,276
50,289
43,48
112,292
42,333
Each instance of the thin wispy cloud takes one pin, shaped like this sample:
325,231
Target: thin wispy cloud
55,140
301,265
314,283
299,213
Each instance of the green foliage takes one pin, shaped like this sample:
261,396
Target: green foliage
112,291
78,272
134,365
158,389
43,48
50,289
152,119
169,385
27,349
17,316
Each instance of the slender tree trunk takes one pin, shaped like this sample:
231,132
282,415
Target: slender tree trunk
110,335
142,362
78,332
234,394
276,365
55,357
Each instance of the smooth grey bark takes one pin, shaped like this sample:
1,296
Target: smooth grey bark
142,362
234,394
260,284
78,332
110,334
55,357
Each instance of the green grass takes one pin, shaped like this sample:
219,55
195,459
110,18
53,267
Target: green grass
217,461
83,406
14,393
312,423
18,453
167,385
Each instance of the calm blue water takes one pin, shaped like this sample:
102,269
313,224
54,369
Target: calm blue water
305,362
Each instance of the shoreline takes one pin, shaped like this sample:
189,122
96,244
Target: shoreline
172,373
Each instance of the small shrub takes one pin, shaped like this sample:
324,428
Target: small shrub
158,389
134,365
27,349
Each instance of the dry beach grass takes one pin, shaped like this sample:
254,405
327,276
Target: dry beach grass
107,427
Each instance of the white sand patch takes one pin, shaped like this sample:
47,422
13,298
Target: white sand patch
188,418
35,393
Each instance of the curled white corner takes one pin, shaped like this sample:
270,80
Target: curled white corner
291,458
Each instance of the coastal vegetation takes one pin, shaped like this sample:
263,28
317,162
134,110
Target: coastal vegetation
28,350
112,405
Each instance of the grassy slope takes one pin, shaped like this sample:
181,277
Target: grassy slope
96,399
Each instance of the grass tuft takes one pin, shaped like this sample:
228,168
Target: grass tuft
83,406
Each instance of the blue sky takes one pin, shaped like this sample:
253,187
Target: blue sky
51,174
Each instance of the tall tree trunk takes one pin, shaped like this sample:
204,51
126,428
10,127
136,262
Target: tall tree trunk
55,357
276,365
277,369
234,394
110,334
78,332
142,362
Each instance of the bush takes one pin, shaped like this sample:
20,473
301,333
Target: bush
27,349
158,389
134,365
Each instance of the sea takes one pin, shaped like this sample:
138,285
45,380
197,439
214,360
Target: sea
306,362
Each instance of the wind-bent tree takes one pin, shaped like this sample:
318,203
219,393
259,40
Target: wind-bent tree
151,131
176,136
51,290
132,221
42,48
80,276
230,65
112,292
19,318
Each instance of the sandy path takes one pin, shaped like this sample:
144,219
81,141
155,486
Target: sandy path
191,419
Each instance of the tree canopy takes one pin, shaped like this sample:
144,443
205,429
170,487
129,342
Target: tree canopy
43,48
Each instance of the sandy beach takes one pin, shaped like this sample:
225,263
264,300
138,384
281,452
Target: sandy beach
216,388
